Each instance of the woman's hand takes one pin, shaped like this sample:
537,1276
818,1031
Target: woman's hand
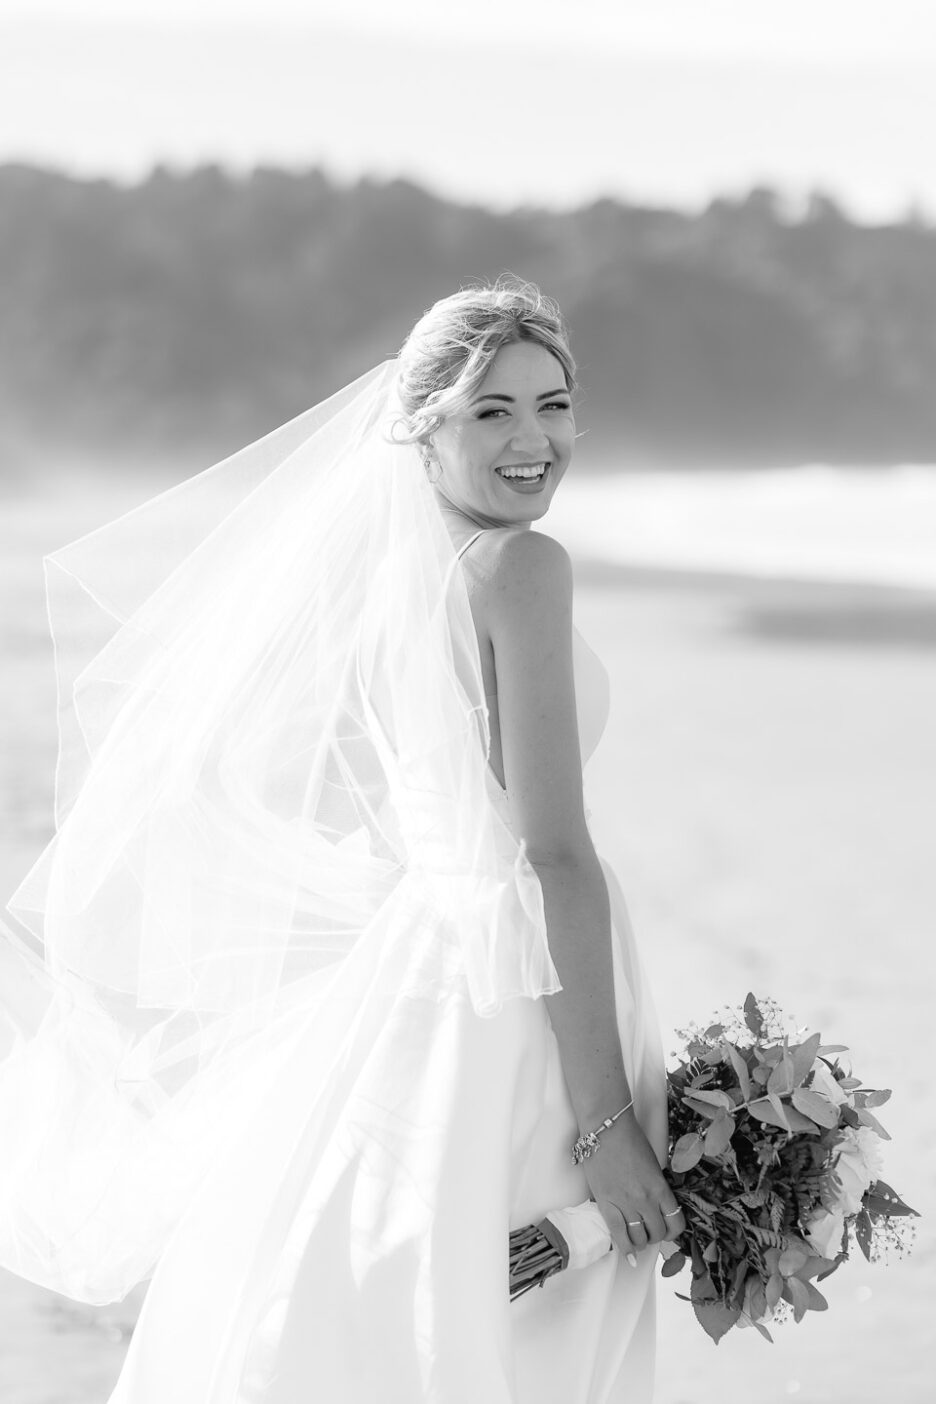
635,1199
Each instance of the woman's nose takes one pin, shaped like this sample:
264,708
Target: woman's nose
529,435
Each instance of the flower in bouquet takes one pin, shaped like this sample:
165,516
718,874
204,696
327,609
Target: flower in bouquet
775,1160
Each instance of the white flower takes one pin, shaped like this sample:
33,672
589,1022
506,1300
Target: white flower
857,1164
824,1082
824,1231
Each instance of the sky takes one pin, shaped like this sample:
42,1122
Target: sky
499,102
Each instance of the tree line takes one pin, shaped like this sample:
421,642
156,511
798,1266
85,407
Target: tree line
192,312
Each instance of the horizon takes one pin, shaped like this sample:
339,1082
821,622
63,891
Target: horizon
791,209
646,122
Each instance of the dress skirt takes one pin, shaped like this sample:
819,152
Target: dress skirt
350,1243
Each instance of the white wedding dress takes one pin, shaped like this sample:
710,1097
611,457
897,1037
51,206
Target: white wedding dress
350,1242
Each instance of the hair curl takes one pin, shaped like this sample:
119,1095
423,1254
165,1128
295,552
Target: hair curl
450,349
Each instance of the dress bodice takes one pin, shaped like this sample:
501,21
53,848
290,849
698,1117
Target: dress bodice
592,694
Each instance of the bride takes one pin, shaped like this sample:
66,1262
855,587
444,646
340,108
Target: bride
324,981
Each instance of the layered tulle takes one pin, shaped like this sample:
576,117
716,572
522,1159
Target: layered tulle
272,765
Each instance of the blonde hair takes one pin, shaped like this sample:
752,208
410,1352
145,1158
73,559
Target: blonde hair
450,349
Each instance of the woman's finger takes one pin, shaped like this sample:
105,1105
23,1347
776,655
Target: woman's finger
629,1236
639,1238
655,1225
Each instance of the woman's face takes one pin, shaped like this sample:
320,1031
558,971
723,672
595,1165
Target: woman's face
520,419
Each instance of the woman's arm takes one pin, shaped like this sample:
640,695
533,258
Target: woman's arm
528,608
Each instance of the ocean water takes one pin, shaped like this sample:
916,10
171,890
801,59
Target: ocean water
856,525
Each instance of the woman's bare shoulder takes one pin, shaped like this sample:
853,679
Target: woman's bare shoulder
517,568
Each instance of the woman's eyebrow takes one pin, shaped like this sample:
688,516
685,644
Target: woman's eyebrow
546,395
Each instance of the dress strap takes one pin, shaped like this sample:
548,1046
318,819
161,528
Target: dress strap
464,548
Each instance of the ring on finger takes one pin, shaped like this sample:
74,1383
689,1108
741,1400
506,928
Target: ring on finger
672,1213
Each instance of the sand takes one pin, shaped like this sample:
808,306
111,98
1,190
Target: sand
765,790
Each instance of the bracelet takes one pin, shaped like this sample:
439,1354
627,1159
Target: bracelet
587,1143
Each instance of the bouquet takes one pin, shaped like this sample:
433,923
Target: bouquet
774,1157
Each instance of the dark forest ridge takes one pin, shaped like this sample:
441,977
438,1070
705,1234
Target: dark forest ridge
193,312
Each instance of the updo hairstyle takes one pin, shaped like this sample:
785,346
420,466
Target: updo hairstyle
450,349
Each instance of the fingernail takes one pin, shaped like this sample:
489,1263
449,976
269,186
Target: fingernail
632,1259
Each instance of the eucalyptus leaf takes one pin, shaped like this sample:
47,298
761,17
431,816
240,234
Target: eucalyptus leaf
869,1119
781,1079
779,1108
792,1259
764,1110
834,1265
814,1266
799,1123
814,1105
718,1136
673,1264
716,1097
687,1152
804,1055
708,1109
876,1098
797,1293
741,1069
772,1259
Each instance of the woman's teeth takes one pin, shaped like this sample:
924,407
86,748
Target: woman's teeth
533,471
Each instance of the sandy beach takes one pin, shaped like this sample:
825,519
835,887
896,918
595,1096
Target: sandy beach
765,791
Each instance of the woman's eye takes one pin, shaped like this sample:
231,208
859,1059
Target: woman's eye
551,404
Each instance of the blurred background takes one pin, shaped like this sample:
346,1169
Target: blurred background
214,214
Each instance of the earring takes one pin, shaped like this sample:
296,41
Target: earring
428,461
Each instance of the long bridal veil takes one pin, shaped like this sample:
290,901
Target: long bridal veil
272,801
